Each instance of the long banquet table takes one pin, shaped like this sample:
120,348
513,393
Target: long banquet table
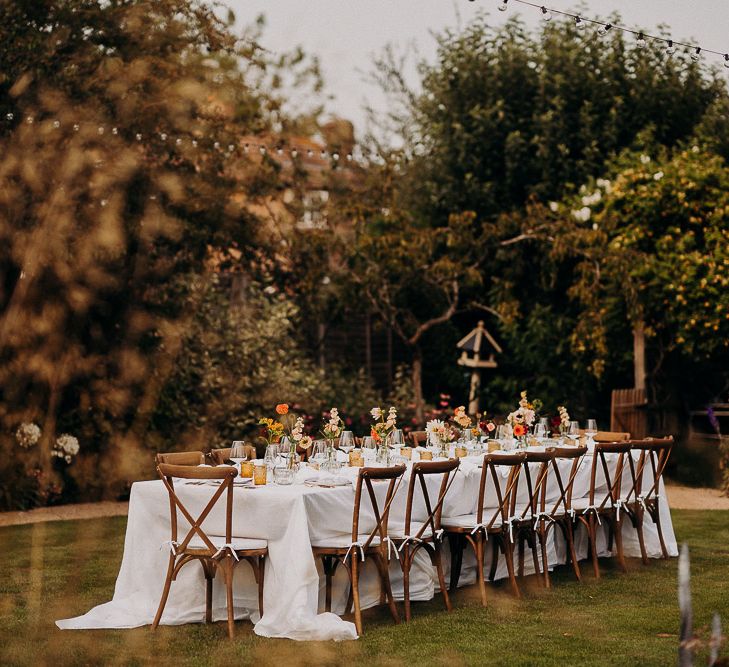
291,519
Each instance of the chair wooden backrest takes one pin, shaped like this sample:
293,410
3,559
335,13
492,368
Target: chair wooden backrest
565,486
506,498
182,458
654,455
417,477
226,475
418,438
220,456
536,485
608,436
364,479
613,475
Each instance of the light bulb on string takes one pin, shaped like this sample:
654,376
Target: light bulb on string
9,116
29,120
349,157
310,153
245,148
503,6
194,143
335,156
579,23
163,136
670,49
279,151
138,136
178,142
294,153
100,130
56,124
696,55
640,42
114,131
216,145
546,14
262,150
604,29
76,127
231,148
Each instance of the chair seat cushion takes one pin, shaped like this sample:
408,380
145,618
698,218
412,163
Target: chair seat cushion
238,543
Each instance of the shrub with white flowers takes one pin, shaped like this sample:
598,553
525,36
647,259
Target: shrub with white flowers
66,447
28,434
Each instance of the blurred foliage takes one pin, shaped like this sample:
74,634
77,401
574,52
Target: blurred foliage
120,173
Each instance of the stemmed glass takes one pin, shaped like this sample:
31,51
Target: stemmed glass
591,432
505,435
543,421
238,452
397,438
319,451
346,441
271,456
540,433
573,433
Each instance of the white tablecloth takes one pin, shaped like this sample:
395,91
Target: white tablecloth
291,518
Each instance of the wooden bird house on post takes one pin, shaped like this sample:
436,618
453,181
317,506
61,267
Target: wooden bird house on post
474,348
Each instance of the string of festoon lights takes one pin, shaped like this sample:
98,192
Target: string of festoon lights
242,150
604,27
279,149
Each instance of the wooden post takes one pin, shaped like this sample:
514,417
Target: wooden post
473,394
639,355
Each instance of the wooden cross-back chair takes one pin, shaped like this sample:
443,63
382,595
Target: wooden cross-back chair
552,514
497,525
644,497
181,458
375,544
213,552
418,438
605,506
524,514
428,535
220,456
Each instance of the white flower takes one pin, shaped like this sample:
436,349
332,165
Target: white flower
595,226
658,176
645,159
594,198
694,149
553,206
28,434
376,413
603,183
582,215
66,447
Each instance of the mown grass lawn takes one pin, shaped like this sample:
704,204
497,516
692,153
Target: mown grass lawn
62,569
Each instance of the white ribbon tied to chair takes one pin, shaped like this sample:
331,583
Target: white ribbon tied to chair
355,545
542,515
171,545
510,521
593,508
481,526
227,547
620,505
642,499
391,548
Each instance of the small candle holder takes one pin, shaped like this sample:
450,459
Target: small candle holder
260,471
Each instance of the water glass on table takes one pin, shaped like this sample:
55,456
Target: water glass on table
573,432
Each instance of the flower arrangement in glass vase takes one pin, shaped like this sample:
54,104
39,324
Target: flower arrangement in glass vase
381,431
564,420
462,421
522,419
441,434
291,435
483,427
331,430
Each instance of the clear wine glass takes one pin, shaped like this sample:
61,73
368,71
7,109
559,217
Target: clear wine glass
591,432
271,455
397,438
346,441
573,433
319,451
238,452
540,433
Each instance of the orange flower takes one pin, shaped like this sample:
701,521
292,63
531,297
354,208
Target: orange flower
375,435
519,430
282,409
